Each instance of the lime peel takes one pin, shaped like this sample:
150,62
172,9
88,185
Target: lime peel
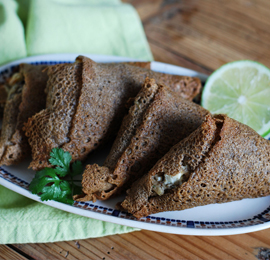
240,89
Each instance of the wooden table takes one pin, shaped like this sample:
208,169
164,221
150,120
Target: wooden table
201,35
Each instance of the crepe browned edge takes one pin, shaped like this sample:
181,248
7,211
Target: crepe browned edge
4,91
3,99
100,92
234,165
157,120
127,130
23,101
141,64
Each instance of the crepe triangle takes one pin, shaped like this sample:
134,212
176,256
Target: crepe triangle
158,119
86,103
223,160
25,98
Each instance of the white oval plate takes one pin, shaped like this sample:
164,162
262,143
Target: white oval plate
218,219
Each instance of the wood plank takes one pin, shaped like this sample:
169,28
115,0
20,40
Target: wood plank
257,11
116,251
86,251
223,243
217,35
55,251
126,242
217,29
199,49
263,237
198,242
162,54
105,249
182,248
7,253
65,248
114,242
183,243
249,242
229,23
37,252
155,249
236,17
90,245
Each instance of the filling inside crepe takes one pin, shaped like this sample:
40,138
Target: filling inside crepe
25,98
162,181
157,120
182,174
15,84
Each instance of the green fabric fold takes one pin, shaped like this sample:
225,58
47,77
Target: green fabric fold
12,42
109,29
62,26
23,220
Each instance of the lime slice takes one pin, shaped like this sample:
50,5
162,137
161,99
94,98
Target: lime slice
240,89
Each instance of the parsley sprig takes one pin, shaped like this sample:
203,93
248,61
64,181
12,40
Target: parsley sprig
52,183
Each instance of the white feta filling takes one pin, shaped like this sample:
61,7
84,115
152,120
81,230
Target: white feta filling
162,181
169,179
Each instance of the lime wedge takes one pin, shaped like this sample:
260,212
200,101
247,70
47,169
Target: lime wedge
240,89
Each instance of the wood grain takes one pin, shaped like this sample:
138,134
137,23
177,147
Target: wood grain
8,253
150,245
209,33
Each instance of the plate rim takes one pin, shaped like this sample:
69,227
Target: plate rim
135,224
70,57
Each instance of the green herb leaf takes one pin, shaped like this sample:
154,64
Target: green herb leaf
41,179
76,189
48,182
77,168
61,159
62,172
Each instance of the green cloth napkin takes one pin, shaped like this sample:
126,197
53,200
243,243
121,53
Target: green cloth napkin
109,29
62,26
12,42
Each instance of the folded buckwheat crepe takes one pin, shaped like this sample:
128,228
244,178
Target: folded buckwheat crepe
36,81
222,161
142,64
158,119
25,98
3,99
86,103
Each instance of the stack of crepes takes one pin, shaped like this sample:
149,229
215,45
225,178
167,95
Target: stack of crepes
158,119
221,161
3,98
79,106
25,98
169,153
99,27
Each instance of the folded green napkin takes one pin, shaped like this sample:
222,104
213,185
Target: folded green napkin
12,43
62,26
108,28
